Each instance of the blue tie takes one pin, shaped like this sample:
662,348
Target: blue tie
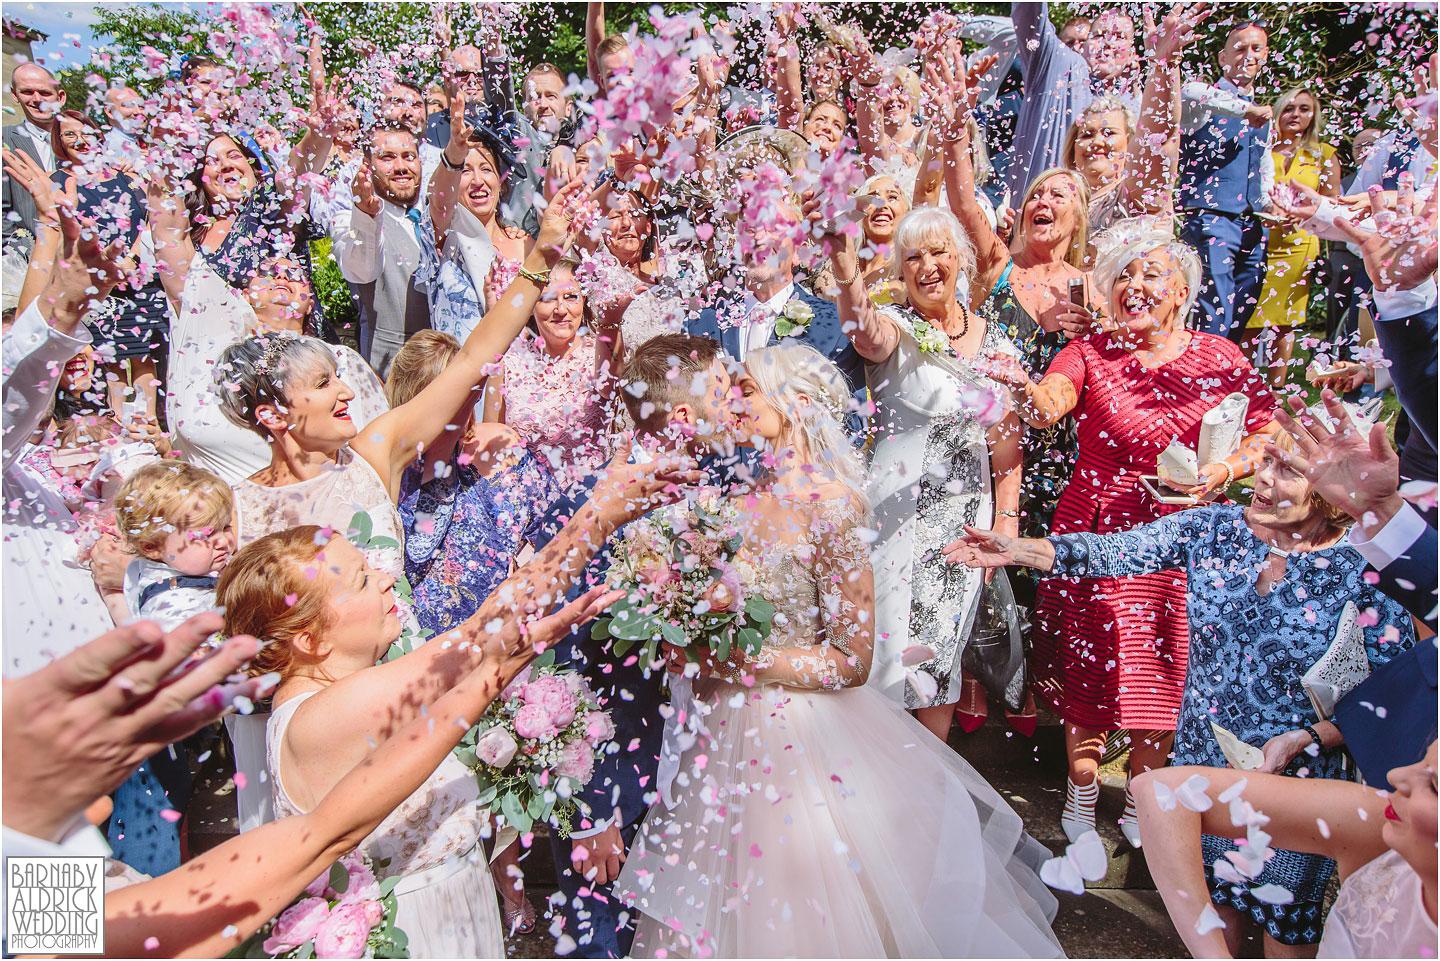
413,215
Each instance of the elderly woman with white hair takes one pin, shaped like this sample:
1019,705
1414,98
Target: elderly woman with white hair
945,453
1110,653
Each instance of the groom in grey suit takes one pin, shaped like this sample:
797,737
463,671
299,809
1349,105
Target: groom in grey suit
40,99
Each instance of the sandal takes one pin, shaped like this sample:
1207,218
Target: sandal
518,920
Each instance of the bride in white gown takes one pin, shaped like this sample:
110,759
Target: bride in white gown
804,819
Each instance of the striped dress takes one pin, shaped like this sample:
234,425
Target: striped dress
1110,653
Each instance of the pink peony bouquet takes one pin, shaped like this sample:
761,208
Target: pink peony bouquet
685,583
535,747
346,912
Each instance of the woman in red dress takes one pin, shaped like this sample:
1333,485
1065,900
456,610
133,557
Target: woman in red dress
1110,653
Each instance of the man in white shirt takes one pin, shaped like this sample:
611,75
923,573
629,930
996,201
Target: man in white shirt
40,99
376,245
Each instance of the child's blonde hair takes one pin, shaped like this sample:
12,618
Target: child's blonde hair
154,501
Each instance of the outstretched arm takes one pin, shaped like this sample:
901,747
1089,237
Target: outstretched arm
1147,176
1313,815
393,440
371,705
213,902
594,33
789,89
949,78
874,335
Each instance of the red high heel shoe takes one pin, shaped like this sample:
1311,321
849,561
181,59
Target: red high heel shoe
972,709
1024,722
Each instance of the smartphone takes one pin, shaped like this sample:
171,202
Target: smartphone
1077,290
1165,494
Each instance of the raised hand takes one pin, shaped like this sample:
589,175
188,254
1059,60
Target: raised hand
460,130
77,728
1298,202
1401,252
20,167
556,226
1357,471
1177,31
627,491
362,188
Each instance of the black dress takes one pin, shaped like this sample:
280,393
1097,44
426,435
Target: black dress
134,321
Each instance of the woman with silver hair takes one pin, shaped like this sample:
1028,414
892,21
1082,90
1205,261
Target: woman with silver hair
939,460
1276,586
1111,652
323,469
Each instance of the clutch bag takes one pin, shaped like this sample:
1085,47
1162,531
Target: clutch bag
1343,665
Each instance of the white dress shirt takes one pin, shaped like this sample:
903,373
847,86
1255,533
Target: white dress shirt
760,320
42,144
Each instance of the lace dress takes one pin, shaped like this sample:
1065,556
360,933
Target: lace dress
930,475
1380,913
789,836
347,496
557,406
446,904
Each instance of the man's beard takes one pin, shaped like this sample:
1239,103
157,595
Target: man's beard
386,192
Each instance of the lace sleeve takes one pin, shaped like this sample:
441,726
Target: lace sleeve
845,589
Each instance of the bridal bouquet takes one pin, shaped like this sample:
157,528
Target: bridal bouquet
344,913
535,746
685,584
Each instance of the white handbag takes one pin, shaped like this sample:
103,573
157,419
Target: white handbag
1343,665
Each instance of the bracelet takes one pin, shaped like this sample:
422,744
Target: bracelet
539,280
1007,513
1229,474
46,223
445,162
854,277
1314,736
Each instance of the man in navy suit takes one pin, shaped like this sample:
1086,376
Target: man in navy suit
1225,177
686,405
772,305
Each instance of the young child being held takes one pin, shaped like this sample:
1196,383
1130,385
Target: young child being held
179,519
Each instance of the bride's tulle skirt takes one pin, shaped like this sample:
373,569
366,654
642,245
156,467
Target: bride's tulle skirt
832,825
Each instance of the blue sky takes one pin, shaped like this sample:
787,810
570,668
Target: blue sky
58,19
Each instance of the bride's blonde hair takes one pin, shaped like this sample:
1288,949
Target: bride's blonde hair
790,371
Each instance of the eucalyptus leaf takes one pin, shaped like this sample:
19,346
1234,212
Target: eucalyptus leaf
339,878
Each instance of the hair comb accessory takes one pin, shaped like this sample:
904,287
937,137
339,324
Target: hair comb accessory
274,350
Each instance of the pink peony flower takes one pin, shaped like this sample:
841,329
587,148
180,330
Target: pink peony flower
363,886
577,760
344,933
532,722
374,913
551,694
496,747
320,887
599,728
297,924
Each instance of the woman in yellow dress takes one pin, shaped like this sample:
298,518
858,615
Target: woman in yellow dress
1300,158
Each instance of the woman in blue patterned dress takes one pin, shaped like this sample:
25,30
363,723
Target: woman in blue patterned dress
468,503
1267,588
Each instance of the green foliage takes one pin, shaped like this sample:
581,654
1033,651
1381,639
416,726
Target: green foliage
330,286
